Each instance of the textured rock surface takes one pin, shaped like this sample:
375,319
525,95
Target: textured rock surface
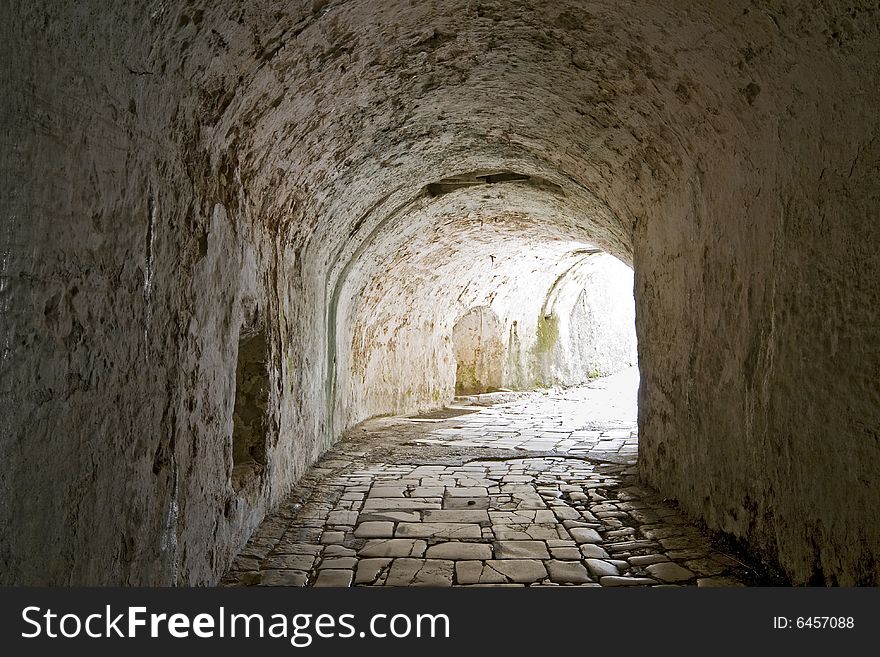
174,172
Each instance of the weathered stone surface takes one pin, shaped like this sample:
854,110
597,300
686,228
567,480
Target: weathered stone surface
600,568
626,581
567,572
282,578
585,535
339,563
459,550
521,550
592,551
374,530
647,560
394,547
368,570
455,515
338,578
420,572
565,553
437,530
289,562
669,572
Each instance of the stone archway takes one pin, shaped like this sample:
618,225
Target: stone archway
479,351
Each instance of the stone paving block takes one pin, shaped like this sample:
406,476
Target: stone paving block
467,491
338,563
245,563
368,570
456,515
627,581
523,571
289,562
566,513
428,491
387,491
334,578
669,572
342,517
374,529
601,568
393,504
565,553
390,516
283,578
648,559
585,535
564,572
529,501
329,537
437,530
525,532
459,550
472,572
521,550
420,572
394,547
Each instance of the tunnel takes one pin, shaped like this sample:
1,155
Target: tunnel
233,231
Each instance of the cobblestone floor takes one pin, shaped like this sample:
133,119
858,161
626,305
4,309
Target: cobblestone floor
510,489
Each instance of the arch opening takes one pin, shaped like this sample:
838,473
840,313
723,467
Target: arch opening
479,352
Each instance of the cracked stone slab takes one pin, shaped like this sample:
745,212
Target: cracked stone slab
460,551
457,515
437,530
390,516
374,529
521,550
408,504
337,578
522,571
393,547
568,572
420,572
526,532
476,491
368,570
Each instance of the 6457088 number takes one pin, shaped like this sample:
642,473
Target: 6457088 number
814,622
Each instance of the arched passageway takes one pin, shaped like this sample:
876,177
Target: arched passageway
479,352
359,174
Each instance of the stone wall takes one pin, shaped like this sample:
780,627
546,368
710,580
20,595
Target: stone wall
334,170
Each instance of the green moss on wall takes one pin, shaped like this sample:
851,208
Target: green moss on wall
547,334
